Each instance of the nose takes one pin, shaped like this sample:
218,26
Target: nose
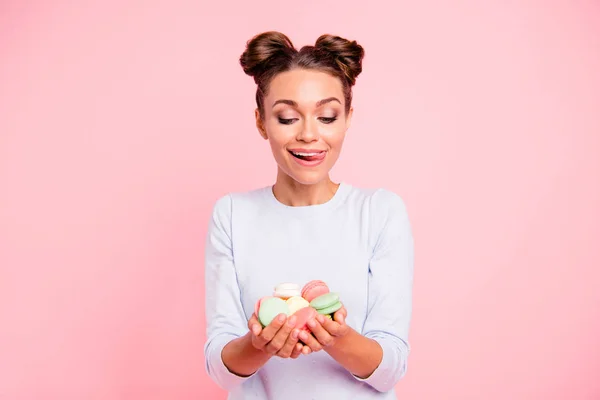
308,133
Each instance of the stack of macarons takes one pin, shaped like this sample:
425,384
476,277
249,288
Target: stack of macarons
305,303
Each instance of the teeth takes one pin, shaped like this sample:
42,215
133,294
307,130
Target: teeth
305,154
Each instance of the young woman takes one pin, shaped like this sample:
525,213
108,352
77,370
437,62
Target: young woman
306,227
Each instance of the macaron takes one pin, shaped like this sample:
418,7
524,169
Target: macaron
327,303
296,302
270,308
304,315
287,290
314,289
257,305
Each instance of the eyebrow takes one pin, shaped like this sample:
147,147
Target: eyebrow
318,104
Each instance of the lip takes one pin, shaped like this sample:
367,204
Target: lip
302,150
306,163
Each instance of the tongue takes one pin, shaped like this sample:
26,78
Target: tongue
311,158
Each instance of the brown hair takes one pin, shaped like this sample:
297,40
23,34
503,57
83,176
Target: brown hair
270,53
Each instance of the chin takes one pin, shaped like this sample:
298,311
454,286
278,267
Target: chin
307,177
307,181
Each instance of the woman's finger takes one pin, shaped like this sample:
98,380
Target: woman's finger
310,341
278,341
297,350
340,315
254,326
306,350
320,333
332,327
269,332
290,344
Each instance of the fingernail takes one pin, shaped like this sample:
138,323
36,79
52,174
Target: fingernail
292,321
281,318
294,334
320,318
303,335
312,323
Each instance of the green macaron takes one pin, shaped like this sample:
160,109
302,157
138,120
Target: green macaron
270,308
331,309
327,303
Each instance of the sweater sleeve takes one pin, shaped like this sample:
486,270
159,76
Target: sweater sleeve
390,290
225,318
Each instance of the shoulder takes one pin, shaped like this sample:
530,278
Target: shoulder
385,214
380,201
387,201
389,225
224,205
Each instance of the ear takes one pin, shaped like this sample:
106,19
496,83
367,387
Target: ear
349,118
260,124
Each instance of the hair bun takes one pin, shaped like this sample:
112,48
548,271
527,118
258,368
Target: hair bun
348,54
264,49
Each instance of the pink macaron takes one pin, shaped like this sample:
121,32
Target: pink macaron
304,315
314,289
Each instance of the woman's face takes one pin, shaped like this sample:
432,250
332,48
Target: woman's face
305,123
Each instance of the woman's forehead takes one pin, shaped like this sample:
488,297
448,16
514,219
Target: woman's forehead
304,86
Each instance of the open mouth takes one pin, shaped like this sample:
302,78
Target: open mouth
308,156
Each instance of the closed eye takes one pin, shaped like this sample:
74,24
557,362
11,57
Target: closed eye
287,121
326,120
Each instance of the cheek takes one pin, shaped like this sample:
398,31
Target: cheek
277,142
334,138
280,136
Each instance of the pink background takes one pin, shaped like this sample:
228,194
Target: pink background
122,122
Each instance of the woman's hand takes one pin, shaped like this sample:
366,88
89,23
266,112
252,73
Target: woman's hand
279,338
325,332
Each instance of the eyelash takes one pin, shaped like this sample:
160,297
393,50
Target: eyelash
289,121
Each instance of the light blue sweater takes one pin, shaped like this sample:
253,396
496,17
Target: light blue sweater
359,242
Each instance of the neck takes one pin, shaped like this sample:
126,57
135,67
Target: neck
292,193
